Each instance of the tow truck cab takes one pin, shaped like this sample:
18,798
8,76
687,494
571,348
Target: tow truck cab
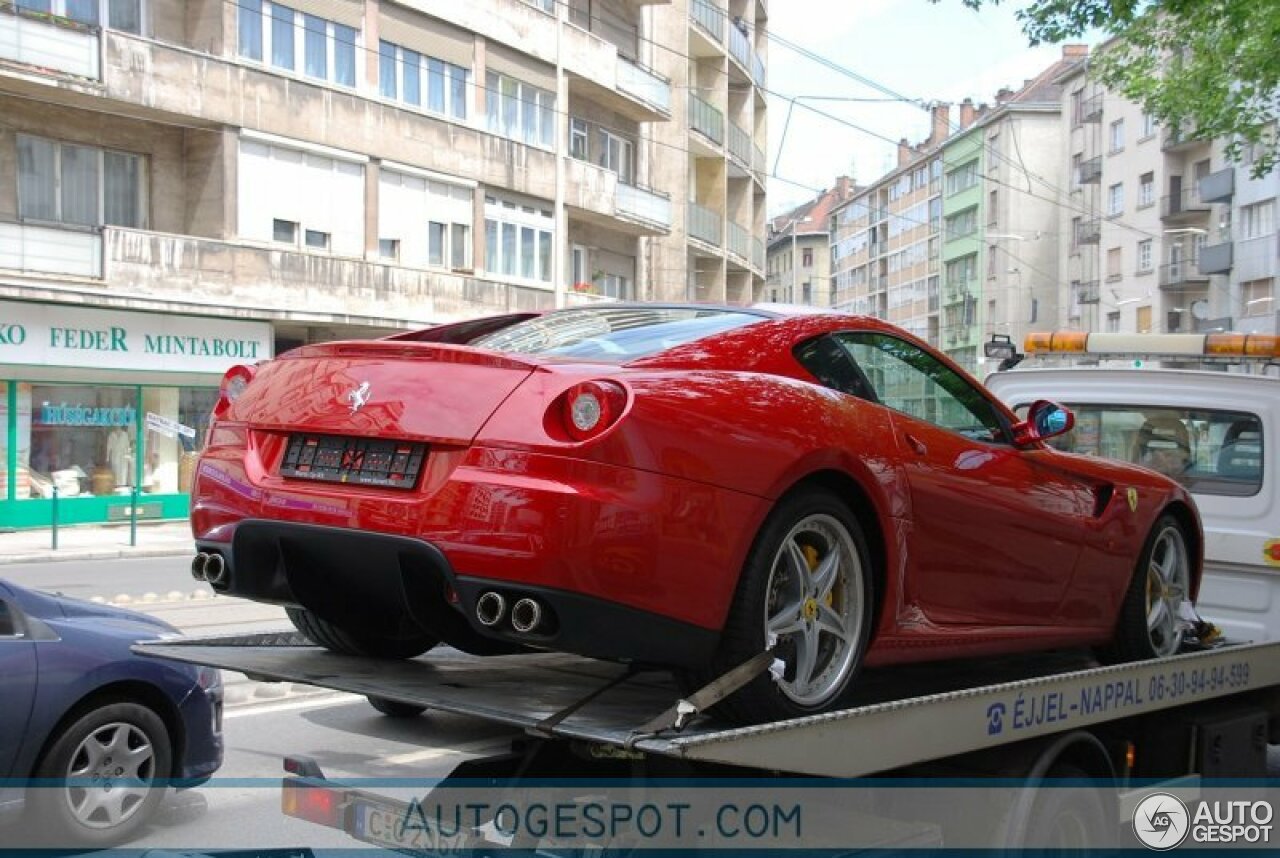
1215,428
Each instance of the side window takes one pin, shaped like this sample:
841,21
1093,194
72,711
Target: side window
832,367
908,379
8,624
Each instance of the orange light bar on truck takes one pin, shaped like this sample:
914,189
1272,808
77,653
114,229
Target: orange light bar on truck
1232,345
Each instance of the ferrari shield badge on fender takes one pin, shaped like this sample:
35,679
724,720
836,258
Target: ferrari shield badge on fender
358,396
1131,494
1271,552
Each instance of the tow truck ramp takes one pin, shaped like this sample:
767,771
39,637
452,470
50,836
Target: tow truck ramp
903,715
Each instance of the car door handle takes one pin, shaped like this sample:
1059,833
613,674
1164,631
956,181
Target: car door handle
916,444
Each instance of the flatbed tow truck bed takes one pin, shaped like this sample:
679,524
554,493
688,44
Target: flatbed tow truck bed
903,715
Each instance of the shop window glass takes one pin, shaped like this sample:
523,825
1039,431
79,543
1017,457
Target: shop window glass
79,439
4,440
172,443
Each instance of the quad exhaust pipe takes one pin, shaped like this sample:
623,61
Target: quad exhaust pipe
210,567
491,610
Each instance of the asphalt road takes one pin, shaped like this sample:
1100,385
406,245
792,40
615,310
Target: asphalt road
85,579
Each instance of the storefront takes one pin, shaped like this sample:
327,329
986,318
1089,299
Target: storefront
100,406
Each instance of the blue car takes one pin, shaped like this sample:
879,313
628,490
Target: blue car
92,735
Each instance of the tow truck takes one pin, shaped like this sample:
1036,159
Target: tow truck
1016,724
1114,734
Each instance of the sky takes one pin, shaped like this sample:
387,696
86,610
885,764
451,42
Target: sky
916,48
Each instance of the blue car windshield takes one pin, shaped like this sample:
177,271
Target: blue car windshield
612,333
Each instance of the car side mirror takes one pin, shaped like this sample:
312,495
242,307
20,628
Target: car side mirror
1045,420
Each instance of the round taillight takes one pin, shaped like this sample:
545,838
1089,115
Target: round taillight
592,407
233,385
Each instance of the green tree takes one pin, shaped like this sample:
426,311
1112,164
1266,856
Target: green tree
1210,68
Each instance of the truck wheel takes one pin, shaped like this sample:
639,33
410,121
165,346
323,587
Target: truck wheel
97,781
346,642
805,589
1066,817
1150,624
395,708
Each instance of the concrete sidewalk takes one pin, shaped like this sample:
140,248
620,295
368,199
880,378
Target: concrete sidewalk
96,542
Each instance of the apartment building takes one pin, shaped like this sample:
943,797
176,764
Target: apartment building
1001,197
1163,234
190,184
798,251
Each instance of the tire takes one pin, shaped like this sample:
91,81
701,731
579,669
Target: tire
779,588
81,800
345,642
1066,817
1165,564
396,708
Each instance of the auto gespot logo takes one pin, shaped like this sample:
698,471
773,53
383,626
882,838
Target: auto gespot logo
1162,821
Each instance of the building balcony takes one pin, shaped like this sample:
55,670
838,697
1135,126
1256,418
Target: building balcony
1181,275
757,254
49,44
705,225
598,69
1091,109
1090,171
709,20
37,249
1087,292
956,291
759,164
600,196
706,119
1217,258
1184,206
740,145
1176,138
1218,187
645,84
259,281
644,206
1089,231
738,241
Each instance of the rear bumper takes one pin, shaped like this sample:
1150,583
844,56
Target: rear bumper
362,580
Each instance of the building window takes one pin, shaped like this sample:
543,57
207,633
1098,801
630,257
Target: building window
615,154
963,224
1144,320
79,185
1148,126
327,48
1146,190
312,194
123,15
430,220
518,239
1257,220
579,140
1113,264
520,111
1113,322
1115,200
389,248
284,231
1258,298
1117,136
1144,255
1076,223
1077,103
963,177
402,71
807,260
993,206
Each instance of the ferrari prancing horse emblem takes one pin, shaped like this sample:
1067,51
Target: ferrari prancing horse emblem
1132,495
358,397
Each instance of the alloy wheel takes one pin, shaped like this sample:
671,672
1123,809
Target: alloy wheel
110,775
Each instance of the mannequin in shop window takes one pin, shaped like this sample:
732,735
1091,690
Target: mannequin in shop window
120,455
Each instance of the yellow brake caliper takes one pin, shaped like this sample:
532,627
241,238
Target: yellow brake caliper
811,558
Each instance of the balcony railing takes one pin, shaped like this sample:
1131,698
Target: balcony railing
1088,292
740,143
1178,137
1089,231
760,164
706,119
1218,187
738,240
740,47
709,17
643,204
757,254
54,43
1186,203
68,251
648,86
1217,258
956,289
704,225
1091,109
757,69
1090,171
1177,275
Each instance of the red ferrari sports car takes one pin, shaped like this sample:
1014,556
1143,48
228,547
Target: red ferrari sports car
684,486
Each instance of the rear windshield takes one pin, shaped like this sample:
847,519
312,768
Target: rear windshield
1210,452
612,333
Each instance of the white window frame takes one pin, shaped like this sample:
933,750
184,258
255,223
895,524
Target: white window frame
447,204
1148,126
1115,137
498,88
1146,190
1253,222
299,69
503,213
454,110
142,190
1115,200
1144,255
59,9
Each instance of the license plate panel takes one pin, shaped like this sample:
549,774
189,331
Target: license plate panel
393,826
358,461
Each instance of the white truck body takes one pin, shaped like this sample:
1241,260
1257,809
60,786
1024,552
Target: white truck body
1241,586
